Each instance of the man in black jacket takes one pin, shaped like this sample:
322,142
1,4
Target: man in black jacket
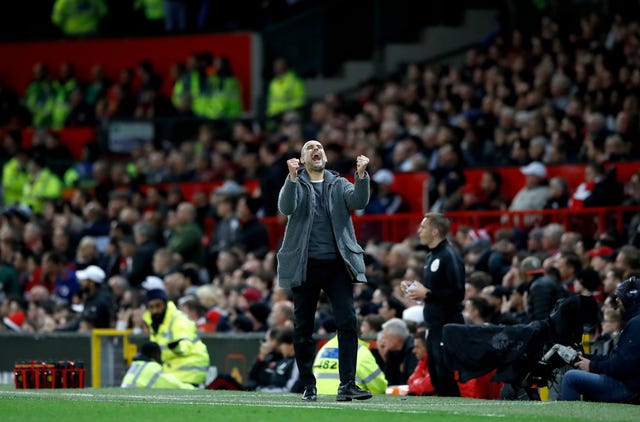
543,290
442,290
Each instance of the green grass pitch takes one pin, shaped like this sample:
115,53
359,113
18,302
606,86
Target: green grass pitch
120,405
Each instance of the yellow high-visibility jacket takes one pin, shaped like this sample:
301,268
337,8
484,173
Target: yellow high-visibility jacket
368,374
145,373
14,179
189,360
286,92
44,186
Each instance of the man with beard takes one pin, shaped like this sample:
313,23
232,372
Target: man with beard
184,355
97,310
320,253
614,377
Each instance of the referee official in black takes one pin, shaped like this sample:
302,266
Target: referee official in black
442,291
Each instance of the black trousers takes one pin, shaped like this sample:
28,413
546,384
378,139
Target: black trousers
442,377
333,278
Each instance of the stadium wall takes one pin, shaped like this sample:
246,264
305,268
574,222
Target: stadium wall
242,49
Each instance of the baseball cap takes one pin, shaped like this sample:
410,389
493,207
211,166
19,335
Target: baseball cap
93,273
535,168
602,251
230,187
251,294
383,177
414,313
15,321
151,282
531,265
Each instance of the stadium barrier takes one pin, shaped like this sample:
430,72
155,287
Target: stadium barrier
396,228
106,354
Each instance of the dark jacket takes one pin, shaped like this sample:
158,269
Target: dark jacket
400,364
253,237
98,308
261,371
297,201
544,292
444,276
624,362
142,263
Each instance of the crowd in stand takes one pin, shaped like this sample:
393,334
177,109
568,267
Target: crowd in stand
559,96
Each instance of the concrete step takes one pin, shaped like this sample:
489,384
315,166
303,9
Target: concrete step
434,41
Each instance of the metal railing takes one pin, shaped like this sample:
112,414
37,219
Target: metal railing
396,228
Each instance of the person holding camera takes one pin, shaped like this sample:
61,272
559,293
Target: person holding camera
614,377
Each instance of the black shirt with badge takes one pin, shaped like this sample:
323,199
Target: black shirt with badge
444,276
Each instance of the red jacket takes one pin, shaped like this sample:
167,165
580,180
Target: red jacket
420,381
479,388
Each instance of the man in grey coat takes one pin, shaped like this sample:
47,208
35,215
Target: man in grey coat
320,253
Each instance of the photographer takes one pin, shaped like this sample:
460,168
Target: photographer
614,377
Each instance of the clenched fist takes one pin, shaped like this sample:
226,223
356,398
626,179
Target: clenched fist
361,164
293,164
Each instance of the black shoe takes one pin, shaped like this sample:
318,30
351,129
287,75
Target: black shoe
310,393
351,391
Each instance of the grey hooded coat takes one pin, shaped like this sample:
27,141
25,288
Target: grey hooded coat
296,201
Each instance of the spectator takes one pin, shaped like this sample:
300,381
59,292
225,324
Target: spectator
63,87
271,176
78,17
488,196
569,265
142,260
601,259
534,194
627,259
252,234
97,303
37,97
43,185
186,237
383,200
543,290
226,98
86,254
98,86
606,342
395,349
419,381
558,194
286,376
265,363
15,177
286,91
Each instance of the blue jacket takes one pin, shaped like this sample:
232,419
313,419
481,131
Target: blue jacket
296,200
624,362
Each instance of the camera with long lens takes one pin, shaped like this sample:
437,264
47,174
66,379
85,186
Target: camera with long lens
556,357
